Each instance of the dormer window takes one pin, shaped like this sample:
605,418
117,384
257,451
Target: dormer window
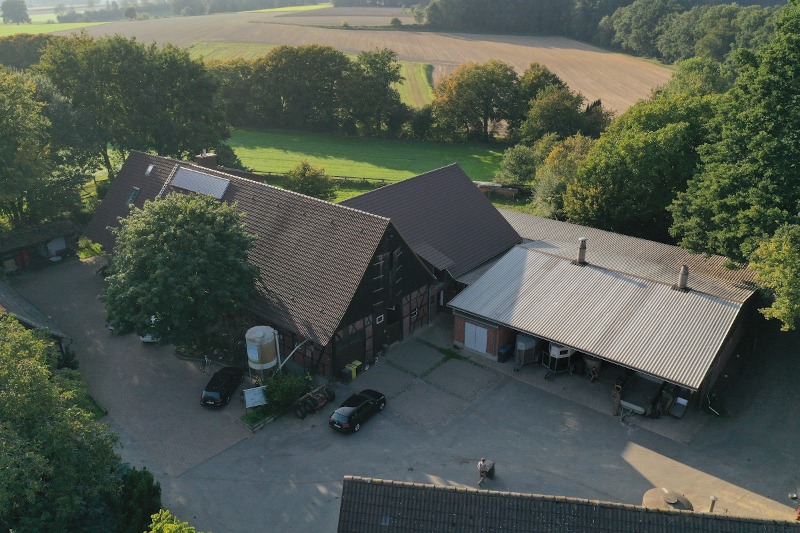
133,195
149,170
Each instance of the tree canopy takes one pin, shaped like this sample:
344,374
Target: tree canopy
476,97
312,181
139,97
58,464
178,265
15,12
748,186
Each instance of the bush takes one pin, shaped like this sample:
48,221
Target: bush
312,181
283,389
396,22
139,500
345,24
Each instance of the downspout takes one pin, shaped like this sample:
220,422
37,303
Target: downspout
428,295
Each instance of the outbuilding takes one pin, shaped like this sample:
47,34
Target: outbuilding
662,313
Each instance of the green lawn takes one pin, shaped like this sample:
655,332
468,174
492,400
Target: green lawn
11,29
416,90
42,18
276,151
292,8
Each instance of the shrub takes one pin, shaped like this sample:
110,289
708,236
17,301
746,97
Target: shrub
345,24
283,389
307,179
396,22
139,500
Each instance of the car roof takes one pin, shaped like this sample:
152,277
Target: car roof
370,394
355,400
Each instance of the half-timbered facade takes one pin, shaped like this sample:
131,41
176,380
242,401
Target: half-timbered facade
337,283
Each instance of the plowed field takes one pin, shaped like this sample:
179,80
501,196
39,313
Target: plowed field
618,80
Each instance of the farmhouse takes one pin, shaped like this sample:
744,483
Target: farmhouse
572,293
342,279
447,221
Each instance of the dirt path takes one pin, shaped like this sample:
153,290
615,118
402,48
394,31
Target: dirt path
618,80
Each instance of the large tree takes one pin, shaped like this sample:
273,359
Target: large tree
178,265
15,12
373,99
24,149
750,182
58,464
639,165
476,98
299,86
138,97
777,265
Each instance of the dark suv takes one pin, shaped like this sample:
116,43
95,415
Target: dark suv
356,410
221,387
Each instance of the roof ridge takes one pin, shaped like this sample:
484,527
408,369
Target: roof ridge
566,499
637,276
267,185
411,179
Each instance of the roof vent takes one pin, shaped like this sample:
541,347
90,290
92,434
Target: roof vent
581,260
683,279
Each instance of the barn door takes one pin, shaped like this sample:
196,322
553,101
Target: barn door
475,337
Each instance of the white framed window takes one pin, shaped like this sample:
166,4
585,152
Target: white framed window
379,319
414,313
149,170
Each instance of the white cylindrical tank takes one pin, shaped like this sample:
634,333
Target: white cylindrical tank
262,347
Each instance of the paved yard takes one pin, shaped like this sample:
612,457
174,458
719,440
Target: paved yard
444,413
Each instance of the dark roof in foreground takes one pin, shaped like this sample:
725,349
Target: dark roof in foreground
630,255
14,303
378,506
444,217
311,254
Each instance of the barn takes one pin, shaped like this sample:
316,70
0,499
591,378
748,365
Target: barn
610,300
338,282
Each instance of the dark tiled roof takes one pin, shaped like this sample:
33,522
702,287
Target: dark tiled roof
378,506
25,237
311,254
13,302
443,217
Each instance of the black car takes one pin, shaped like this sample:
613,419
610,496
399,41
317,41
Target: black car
356,410
222,386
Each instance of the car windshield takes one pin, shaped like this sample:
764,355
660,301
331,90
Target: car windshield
340,417
211,395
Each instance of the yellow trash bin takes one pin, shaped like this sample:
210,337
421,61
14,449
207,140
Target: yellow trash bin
353,368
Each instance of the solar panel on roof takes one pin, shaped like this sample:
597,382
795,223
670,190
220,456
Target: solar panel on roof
198,182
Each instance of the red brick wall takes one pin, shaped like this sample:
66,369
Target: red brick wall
458,329
504,336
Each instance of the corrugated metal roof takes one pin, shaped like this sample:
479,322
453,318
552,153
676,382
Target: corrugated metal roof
200,182
444,210
636,322
474,275
379,506
545,229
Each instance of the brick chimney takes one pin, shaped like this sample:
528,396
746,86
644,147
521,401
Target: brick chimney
206,159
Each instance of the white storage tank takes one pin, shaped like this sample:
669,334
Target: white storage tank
262,347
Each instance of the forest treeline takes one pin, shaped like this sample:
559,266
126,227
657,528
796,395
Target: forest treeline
669,30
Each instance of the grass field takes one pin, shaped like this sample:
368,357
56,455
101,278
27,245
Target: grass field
416,91
11,29
275,151
292,8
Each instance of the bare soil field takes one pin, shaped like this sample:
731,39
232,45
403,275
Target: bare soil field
618,80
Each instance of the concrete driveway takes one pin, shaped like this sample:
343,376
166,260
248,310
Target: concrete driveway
444,413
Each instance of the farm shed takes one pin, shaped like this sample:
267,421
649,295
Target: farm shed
377,505
446,220
622,302
341,279
37,246
28,314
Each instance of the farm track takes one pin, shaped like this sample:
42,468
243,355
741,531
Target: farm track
618,80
